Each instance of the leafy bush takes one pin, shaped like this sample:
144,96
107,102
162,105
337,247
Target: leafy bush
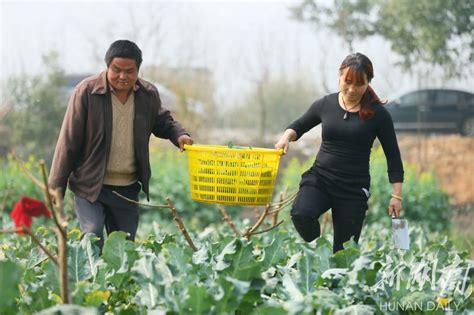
423,199
36,108
273,273
289,178
14,183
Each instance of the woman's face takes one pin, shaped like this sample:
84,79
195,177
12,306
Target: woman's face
352,85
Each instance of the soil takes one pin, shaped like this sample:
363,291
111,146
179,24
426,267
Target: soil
450,157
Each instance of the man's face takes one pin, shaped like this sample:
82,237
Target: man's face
122,74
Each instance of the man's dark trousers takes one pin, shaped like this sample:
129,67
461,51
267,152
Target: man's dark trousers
109,210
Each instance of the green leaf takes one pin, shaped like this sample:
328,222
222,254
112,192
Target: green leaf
305,268
199,301
439,253
96,298
78,268
10,275
220,260
335,273
350,244
201,256
83,258
325,300
157,245
356,309
51,276
243,265
38,298
252,297
148,295
118,280
36,257
179,257
322,255
360,267
74,234
231,293
81,290
292,290
69,310
276,251
344,258
417,301
152,275
270,310
118,253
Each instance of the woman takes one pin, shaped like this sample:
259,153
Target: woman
339,178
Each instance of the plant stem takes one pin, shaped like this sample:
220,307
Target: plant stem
280,205
138,203
4,202
61,234
37,241
266,230
229,221
326,220
48,195
63,272
180,224
259,221
176,217
28,173
278,208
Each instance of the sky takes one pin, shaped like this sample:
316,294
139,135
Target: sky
234,39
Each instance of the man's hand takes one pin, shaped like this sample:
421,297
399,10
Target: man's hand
184,139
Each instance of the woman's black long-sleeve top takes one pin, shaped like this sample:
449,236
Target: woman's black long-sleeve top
346,144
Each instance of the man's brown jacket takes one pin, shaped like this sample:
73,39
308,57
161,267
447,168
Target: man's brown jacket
85,138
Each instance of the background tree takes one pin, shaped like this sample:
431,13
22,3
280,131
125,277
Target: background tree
347,19
35,108
423,32
194,90
144,27
287,99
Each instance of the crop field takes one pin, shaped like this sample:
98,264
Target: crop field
228,262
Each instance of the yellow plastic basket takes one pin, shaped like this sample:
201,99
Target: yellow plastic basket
239,176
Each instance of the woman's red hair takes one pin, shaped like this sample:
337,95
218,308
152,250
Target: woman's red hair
358,65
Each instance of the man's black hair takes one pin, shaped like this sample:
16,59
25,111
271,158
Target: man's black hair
123,49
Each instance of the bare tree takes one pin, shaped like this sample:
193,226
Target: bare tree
259,73
143,26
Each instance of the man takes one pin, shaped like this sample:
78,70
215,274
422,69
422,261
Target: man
103,143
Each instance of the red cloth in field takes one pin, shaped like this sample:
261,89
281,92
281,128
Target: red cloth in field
25,209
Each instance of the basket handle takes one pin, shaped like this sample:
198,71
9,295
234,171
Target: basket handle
279,151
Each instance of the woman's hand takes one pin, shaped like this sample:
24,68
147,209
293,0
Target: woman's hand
394,207
395,204
284,142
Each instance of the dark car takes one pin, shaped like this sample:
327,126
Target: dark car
434,110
